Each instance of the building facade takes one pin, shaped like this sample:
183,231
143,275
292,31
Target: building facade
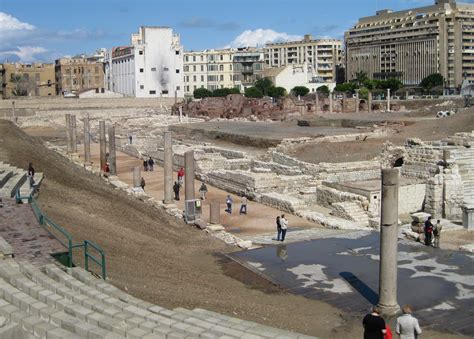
322,54
35,79
152,66
412,44
79,74
224,68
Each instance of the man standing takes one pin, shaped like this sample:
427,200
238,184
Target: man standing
203,191
374,325
151,162
243,205
437,233
142,183
229,201
284,227
428,232
176,188
407,325
278,228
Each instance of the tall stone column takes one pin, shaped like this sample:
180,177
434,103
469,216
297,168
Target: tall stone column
87,141
137,178
112,151
388,100
68,133
189,175
215,212
73,134
103,147
331,109
168,168
369,103
389,242
357,101
317,102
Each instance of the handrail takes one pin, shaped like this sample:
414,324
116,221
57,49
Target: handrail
47,223
88,256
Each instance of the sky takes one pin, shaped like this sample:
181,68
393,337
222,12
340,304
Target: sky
44,30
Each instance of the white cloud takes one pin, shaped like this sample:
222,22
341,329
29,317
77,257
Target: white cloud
260,37
10,23
25,53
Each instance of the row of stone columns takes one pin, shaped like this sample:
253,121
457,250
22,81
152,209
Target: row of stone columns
369,102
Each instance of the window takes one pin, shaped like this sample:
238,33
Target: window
230,67
212,78
194,68
153,69
187,78
152,92
140,52
221,67
165,69
178,88
222,77
37,77
177,71
177,52
102,90
202,68
202,77
165,91
97,90
186,58
202,58
142,87
186,68
222,57
194,78
194,58
187,88
141,70
212,68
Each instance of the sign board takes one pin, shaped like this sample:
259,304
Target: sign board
193,210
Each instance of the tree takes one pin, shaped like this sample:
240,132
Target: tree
200,93
323,90
277,92
360,77
253,92
392,84
223,92
346,87
20,82
300,90
264,85
432,80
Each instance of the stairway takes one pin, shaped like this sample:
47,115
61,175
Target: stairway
350,210
13,179
51,303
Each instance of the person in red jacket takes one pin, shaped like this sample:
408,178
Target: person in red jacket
181,176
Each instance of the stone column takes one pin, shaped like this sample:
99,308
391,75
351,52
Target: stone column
103,147
189,175
168,168
112,151
137,178
68,133
73,134
357,101
87,141
215,212
388,99
369,103
389,242
180,109
13,110
317,102
330,102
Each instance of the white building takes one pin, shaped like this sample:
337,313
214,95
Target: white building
294,75
151,67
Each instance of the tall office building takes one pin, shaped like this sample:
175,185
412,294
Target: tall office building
414,43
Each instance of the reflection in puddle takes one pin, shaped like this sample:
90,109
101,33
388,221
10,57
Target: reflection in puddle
282,252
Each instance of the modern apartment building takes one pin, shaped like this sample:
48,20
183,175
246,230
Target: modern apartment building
414,43
224,68
323,54
152,66
79,74
35,79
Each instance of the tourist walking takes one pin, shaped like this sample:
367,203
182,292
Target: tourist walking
278,228
437,233
31,174
181,176
229,201
145,165
176,188
374,325
284,226
407,325
142,183
203,191
243,205
150,164
428,229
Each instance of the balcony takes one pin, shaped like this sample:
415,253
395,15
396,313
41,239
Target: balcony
247,70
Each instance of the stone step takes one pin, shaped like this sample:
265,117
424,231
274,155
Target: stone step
26,189
5,174
13,183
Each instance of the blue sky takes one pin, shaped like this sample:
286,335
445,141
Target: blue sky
47,29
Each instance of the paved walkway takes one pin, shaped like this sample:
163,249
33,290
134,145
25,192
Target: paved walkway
30,241
260,218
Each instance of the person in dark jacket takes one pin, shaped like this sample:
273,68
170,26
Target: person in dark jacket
374,325
142,183
278,228
150,164
176,188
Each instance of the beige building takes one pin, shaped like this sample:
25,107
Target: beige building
224,68
78,74
323,54
27,80
412,44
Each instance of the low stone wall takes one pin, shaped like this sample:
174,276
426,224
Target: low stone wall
326,196
411,198
282,202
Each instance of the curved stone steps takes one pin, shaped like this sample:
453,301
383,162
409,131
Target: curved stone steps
14,182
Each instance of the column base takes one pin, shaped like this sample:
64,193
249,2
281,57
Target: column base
389,310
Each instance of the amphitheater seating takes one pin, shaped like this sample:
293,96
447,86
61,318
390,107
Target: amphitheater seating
52,303
13,179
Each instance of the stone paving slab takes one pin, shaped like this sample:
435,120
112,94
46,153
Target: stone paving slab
343,271
29,240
